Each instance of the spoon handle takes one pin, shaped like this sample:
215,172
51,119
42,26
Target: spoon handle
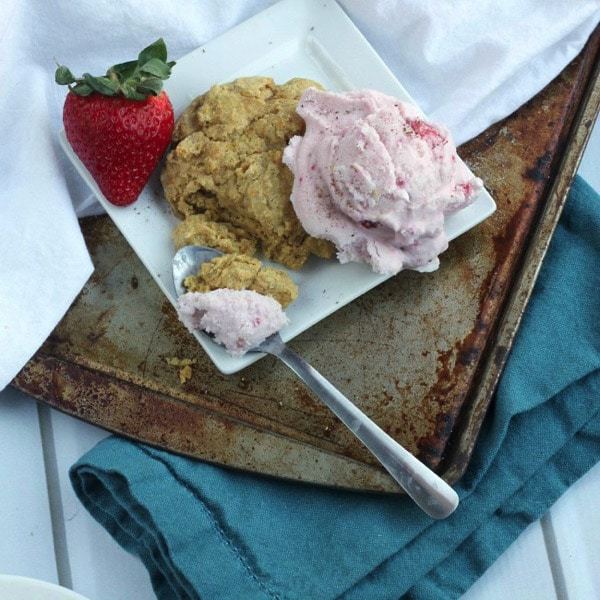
431,493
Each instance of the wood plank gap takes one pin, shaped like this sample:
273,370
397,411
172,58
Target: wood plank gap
57,517
558,576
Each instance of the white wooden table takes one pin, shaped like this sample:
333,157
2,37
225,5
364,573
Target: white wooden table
45,533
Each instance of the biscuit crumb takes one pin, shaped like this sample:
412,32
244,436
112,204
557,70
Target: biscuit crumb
185,372
241,272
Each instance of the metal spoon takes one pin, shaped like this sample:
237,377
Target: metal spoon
431,493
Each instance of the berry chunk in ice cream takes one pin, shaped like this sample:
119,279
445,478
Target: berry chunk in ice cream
376,178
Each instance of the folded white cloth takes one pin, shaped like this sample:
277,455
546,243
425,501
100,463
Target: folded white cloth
467,64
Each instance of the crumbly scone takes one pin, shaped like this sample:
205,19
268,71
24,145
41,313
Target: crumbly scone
241,272
197,230
227,164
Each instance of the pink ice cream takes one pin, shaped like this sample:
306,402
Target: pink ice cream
374,177
239,320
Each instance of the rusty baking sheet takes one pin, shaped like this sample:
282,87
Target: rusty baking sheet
420,354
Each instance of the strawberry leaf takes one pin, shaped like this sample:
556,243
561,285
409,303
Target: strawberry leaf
82,89
129,91
158,49
156,67
63,76
134,79
123,70
150,85
102,85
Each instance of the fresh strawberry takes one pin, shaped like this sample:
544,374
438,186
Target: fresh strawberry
120,141
120,124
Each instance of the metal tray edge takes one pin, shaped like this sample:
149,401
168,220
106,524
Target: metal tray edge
452,467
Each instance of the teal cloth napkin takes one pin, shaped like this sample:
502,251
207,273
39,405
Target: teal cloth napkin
207,532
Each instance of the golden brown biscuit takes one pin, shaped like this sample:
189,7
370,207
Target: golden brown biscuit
226,164
197,230
241,272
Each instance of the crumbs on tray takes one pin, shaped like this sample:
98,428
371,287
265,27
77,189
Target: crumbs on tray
185,372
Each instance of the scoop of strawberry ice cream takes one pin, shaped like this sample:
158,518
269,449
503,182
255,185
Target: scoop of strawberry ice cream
238,319
373,176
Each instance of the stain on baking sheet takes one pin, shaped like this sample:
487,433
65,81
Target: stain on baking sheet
409,352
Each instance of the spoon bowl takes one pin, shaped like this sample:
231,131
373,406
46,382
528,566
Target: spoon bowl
187,261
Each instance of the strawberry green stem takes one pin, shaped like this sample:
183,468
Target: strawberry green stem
134,79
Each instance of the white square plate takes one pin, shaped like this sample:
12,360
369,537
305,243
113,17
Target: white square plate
294,38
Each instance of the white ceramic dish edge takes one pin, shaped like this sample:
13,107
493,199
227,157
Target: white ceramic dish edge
298,38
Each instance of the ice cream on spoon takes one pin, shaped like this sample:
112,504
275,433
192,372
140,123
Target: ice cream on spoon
237,319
